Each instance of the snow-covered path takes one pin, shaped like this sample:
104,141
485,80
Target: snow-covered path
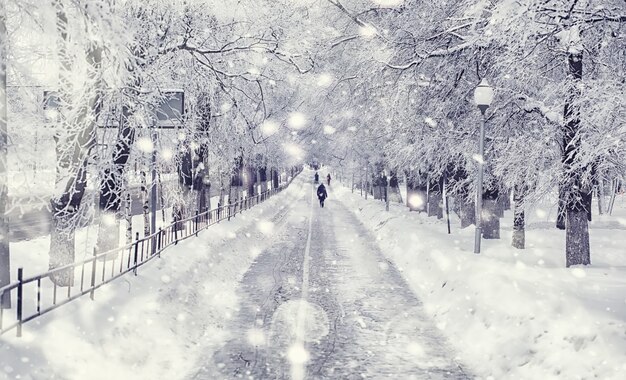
322,302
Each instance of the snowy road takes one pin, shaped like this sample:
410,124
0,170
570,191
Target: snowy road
323,303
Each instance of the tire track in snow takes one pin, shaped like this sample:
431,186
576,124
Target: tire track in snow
297,354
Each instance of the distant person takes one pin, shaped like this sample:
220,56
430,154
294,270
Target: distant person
328,179
322,194
316,177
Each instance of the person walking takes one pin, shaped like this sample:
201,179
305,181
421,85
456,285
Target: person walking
316,177
328,179
322,194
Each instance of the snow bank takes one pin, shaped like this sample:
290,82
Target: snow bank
511,313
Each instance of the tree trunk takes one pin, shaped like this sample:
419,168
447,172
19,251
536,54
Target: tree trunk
201,184
207,196
410,185
128,216
463,201
519,233
468,212
75,138
251,179
230,190
262,175
506,200
501,203
587,198
577,238
435,197
5,254
360,185
146,203
394,188
490,218
62,237
275,175
112,186
161,193
221,198
387,190
601,206
240,196
578,205
186,201
378,182
366,181
560,213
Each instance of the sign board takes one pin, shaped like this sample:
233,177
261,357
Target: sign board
171,109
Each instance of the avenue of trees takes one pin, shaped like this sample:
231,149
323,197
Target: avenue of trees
370,86
556,123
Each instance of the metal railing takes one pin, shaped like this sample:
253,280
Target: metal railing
34,296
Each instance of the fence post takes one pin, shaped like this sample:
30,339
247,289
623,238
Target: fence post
136,251
196,223
20,276
153,245
230,203
92,294
159,241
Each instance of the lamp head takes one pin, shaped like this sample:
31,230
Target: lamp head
483,95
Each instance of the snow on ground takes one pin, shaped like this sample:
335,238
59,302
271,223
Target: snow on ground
177,305
508,313
511,313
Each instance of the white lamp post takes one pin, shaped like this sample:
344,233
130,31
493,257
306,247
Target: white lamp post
483,96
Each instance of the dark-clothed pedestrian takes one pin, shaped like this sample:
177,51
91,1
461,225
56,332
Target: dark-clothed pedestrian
328,179
316,177
322,194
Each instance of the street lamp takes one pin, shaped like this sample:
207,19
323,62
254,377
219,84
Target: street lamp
483,95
